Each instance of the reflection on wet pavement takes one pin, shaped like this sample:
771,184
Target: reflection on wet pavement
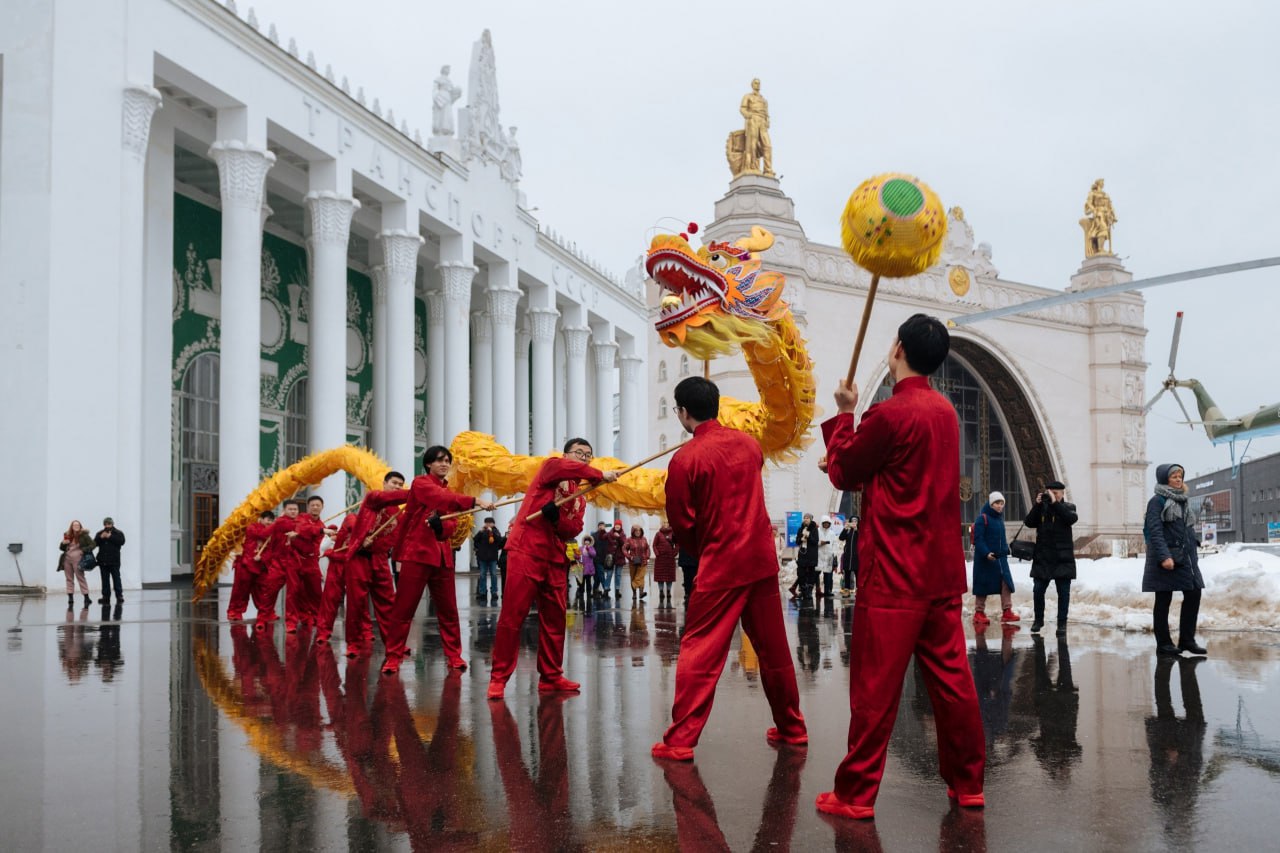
154,725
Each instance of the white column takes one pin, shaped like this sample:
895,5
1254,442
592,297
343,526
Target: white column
482,379
327,332
503,299
435,367
543,334
575,351
378,411
605,352
242,170
523,339
456,278
400,258
631,435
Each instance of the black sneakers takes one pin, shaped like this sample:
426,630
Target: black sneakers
1190,647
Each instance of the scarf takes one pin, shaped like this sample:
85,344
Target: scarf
1176,507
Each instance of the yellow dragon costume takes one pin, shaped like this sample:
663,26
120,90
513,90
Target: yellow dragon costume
716,299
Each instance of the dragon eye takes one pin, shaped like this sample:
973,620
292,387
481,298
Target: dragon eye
719,261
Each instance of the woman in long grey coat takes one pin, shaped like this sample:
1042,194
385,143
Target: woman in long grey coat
1172,564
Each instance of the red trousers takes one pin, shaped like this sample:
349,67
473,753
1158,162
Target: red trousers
266,589
414,578
241,589
335,589
886,633
368,578
302,593
527,580
710,623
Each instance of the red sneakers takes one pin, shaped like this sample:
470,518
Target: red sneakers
354,651
798,740
967,801
458,664
391,665
671,753
1009,616
559,685
497,690
980,619
829,803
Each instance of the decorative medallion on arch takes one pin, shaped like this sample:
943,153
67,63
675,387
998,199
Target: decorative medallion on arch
1019,415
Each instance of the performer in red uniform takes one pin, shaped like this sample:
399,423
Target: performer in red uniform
302,584
911,575
537,567
715,506
248,565
335,580
426,560
368,572
276,557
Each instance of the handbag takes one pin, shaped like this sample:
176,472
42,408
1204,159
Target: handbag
88,562
1021,549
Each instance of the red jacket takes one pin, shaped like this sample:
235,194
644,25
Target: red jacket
376,510
715,506
280,553
254,535
416,541
904,456
341,549
307,542
664,553
537,539
636,549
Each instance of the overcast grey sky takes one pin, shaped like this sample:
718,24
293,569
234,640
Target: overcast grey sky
1008,109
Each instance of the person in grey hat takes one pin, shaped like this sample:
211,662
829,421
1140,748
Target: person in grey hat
1055,557
109,541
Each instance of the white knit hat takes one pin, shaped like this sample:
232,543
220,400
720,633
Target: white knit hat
994,496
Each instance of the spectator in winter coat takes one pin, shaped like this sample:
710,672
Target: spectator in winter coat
808,541
586,591
849,559
1172,563
636,551
614,546
489,541
827,556
1054,558
109,541
76,542
664,562
991,563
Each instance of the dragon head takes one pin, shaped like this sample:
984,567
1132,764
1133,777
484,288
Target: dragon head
719,280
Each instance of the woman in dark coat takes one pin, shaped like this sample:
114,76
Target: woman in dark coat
1055,558
664,562
991,574
1172,563
808,540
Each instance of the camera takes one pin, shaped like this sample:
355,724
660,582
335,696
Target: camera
1045,497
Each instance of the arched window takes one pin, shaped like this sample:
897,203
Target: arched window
684,365
662,407
198,507
295,423
662,371
662,442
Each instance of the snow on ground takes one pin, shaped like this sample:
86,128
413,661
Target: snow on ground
1242,593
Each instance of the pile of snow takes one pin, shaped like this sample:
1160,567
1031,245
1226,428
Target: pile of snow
1242,592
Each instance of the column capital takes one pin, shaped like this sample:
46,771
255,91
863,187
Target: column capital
523,338
631,365
575,340
542,323
140,104
400,252
379,274
435,309
502,305
330,217
481,327
456,279
605,352
242,169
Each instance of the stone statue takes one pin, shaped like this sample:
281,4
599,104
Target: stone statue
512,167
446,92
1099,217
749,150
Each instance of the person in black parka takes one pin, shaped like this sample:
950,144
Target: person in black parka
1172,564
1054,558
808,540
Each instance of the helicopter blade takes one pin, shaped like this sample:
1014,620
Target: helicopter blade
1180,406
1152,401
1173,347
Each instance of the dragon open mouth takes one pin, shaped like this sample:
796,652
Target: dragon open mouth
688,286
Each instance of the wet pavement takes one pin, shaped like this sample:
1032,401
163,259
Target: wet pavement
156,725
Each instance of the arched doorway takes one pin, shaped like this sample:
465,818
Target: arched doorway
197,508
295,423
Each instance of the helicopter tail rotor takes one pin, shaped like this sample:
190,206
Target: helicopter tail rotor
1170,384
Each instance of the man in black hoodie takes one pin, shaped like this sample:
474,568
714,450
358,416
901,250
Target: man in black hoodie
489,542
109,541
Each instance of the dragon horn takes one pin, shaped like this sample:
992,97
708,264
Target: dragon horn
759,241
